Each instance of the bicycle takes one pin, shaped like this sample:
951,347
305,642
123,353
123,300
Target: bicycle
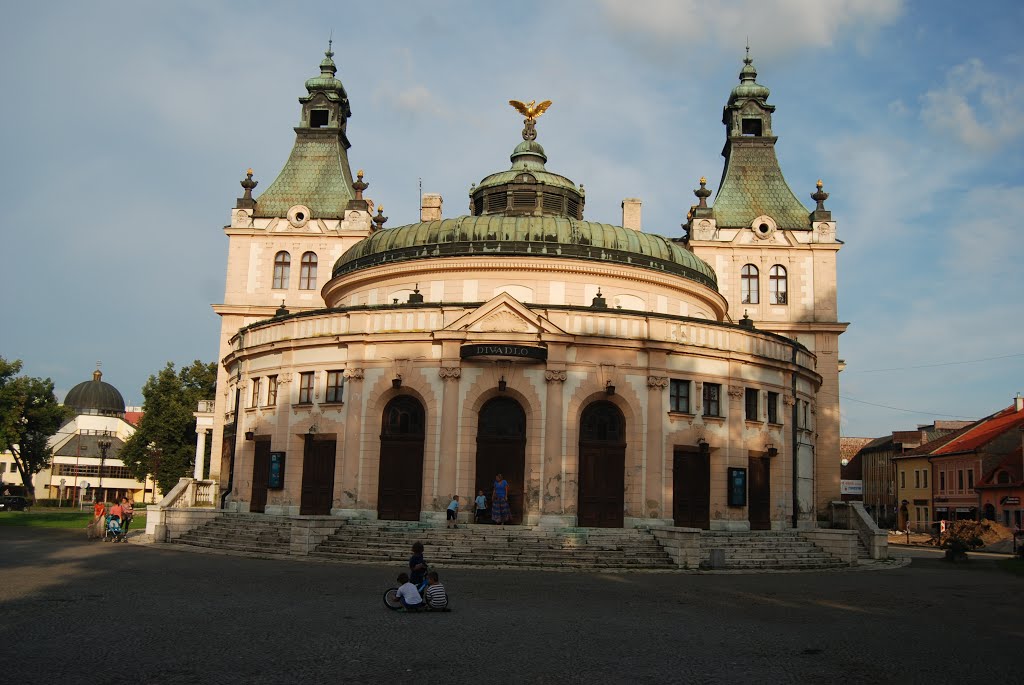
391,599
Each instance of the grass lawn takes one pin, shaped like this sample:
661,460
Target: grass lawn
49,519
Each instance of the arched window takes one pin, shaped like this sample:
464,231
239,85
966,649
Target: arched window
282,267
307,274
777,285
749,284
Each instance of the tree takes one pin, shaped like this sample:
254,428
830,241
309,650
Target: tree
29,415
164,443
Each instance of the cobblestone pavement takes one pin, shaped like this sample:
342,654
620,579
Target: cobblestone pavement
78,612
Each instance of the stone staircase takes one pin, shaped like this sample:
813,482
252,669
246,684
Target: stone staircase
252,533
487,545
773,550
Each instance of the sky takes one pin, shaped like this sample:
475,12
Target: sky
126,127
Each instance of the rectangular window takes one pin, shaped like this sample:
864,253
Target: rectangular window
679,396
925,474
960,479
970,479
306,387
942,481
271,391
335,384
903,480
773,407
255,393
917,478
750,400
926,514
712,398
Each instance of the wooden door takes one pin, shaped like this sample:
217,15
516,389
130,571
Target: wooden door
759,493
501,448
602,467
691,488
400,481
317,477
260,477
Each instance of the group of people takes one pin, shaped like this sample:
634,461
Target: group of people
420,589
501,513
116,520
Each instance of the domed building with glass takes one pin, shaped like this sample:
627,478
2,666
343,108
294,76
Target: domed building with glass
613,376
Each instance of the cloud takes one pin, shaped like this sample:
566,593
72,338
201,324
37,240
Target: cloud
979,109
986,249
775,28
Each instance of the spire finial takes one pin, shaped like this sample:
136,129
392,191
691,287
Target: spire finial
359,186
819,197
702,194
380,218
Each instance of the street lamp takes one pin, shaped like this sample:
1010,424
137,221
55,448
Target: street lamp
104,445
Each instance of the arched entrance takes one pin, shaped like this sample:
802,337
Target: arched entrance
400,489
602,466
501,448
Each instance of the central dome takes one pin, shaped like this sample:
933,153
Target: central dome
525,211
534,236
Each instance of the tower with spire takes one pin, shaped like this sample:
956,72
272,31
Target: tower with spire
776,263
283,241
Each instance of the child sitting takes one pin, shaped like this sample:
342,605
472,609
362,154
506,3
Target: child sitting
408,594
436,597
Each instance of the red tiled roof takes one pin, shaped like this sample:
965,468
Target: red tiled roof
133,417
982,432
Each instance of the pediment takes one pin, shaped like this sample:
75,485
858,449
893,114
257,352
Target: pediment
504,314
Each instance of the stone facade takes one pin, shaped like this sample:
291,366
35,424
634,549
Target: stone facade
615,387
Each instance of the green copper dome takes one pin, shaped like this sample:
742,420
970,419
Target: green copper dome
525,236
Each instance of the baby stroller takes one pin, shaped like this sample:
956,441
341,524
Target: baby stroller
113,532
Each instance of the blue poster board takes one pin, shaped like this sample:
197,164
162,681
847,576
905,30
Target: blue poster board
275,481
737,487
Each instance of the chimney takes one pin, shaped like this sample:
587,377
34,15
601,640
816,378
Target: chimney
430,207
1018,402
631,213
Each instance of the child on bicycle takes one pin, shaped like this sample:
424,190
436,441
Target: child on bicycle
408,594
417,565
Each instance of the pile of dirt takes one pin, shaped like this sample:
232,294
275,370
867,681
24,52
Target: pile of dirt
978,533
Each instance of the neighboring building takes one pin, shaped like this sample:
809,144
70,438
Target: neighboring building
1001,490
615,377
975,456
883,480
86,449
851,471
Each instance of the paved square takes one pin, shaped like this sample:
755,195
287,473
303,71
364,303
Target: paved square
74,611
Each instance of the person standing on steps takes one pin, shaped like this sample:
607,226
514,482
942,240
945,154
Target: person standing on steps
500,511
481,506
453,512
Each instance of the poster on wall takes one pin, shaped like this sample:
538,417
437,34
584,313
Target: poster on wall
737,487
275,481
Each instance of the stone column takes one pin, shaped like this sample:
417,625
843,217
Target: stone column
654,504
552,490
200,453
449,443
353,447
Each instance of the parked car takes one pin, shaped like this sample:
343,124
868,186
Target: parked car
14,503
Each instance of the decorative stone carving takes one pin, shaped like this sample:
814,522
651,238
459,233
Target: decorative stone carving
450,372
703,230
736,391
554,376
284,378
788,400
503,321
657,381
354,374
241,219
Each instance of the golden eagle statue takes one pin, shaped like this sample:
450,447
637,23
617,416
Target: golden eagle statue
531,110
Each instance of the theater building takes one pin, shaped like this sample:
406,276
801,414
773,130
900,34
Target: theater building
614,376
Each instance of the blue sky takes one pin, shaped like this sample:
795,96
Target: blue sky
126,127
